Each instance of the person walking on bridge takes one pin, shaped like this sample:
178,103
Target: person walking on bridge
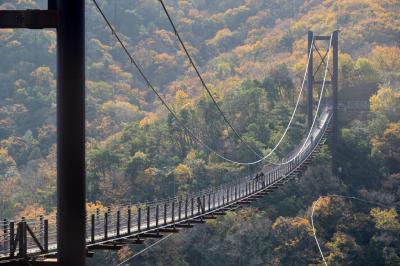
256,178
262,179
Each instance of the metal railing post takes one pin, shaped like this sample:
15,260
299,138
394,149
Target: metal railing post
148,217
12,239
22,239
118,222
165,213
109,217
6,236
129,219
105,225
46,236
235,192
139,222
192,206
179,210
157,214
203,206
173,211
214,199
186,207
93,227
41,229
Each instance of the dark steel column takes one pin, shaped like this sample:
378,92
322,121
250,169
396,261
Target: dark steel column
310,80
335,88
71,133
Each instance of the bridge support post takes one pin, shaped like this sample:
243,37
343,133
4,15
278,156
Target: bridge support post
310,80
335,88
71,192
68,17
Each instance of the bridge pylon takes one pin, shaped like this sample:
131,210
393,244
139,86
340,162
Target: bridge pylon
333,80
68,18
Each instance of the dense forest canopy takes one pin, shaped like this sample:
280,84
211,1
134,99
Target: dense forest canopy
252,54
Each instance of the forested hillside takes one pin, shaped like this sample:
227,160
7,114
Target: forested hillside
252,54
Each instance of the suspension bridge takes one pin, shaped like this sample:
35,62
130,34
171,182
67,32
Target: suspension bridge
77,234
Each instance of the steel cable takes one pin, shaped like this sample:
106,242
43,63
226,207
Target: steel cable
178,120
148,83
337,196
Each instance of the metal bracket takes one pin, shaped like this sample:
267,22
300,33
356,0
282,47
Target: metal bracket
28,19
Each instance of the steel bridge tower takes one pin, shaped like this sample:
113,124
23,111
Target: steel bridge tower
68,18
312,80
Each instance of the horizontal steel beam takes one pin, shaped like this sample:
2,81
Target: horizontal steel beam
28,19
322,38
43,262
219,213
184,225
234,208
196,221
258,196
24,261
129,241
209,217
106,247
320,82
150,235
246,202
168,230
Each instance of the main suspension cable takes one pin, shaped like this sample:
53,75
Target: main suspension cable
148,83
208,91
